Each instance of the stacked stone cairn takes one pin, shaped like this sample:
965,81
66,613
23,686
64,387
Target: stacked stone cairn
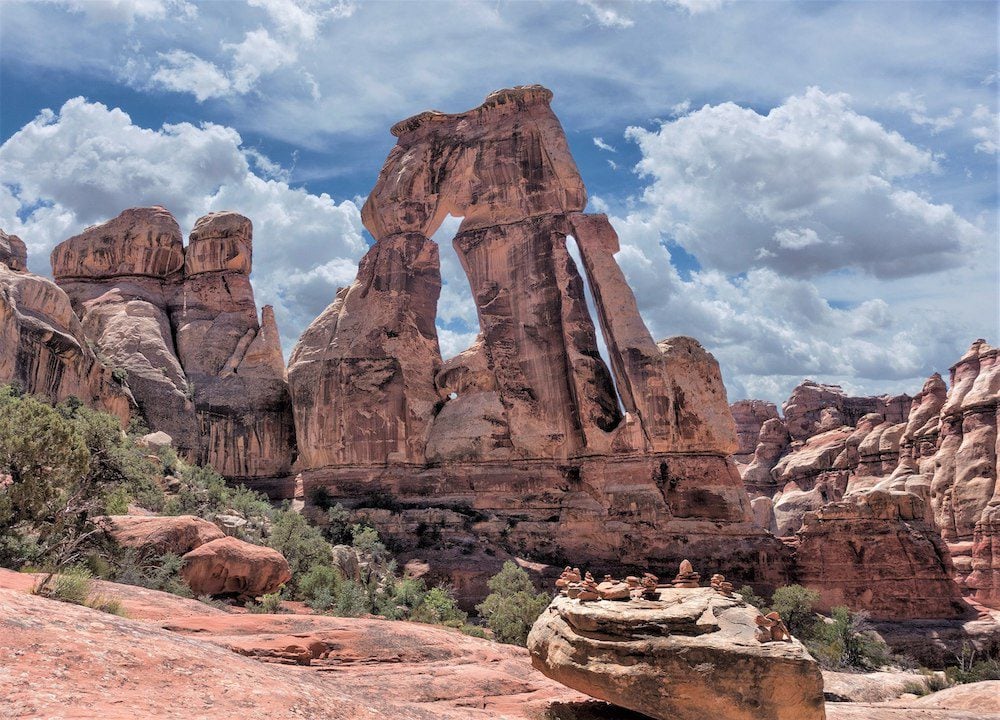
719,583
687,577
771,628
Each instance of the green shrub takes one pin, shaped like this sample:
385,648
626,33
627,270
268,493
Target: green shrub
915,687
73,585
752,598
156,572
337,529
302,545
796,606
438,607
42,452
319,587
973,666
847,642
474,631
108,604
268,604
512,606
352,600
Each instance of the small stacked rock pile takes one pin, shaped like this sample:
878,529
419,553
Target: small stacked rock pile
771,628
644,588
719,582
687,577
582,586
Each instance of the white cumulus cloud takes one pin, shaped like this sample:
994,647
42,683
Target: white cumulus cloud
85,164
808,188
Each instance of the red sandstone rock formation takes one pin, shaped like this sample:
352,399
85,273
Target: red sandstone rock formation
227,566
553,451
183,324
964,491
874,552
175,534
43,348
804,408
750,416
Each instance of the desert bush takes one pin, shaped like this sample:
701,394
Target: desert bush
438,607
352,600
72,585
130,566
752,598
268,604
320,586
973,666
42,452
796,606
302,544
512,606
846,641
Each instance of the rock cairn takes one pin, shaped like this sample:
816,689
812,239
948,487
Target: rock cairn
719,582
687,577
582,586
771,628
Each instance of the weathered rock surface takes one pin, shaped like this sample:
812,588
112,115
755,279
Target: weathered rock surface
528,432
177,534
217,665
965,467
13,252
803,410
750,416
771,443
183,325
228,566
43,348
689,655
874,552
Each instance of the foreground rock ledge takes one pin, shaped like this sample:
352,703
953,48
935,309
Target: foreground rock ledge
689,656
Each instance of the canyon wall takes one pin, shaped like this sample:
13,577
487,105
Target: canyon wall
940,460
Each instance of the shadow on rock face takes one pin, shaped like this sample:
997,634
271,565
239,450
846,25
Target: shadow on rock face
590,710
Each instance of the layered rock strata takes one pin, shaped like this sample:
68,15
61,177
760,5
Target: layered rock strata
529,432
689,655
43,347
874,552
750,416
964,490
182,324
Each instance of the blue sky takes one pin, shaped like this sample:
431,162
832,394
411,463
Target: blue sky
810,189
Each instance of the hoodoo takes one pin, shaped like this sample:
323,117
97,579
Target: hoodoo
534,444
182,323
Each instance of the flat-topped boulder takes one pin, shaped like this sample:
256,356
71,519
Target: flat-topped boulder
690,655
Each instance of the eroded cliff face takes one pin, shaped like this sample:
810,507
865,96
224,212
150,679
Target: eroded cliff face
529,432
182,323
941,458
43,349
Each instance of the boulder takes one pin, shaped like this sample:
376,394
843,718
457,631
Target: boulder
173,534
228,566
690,655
